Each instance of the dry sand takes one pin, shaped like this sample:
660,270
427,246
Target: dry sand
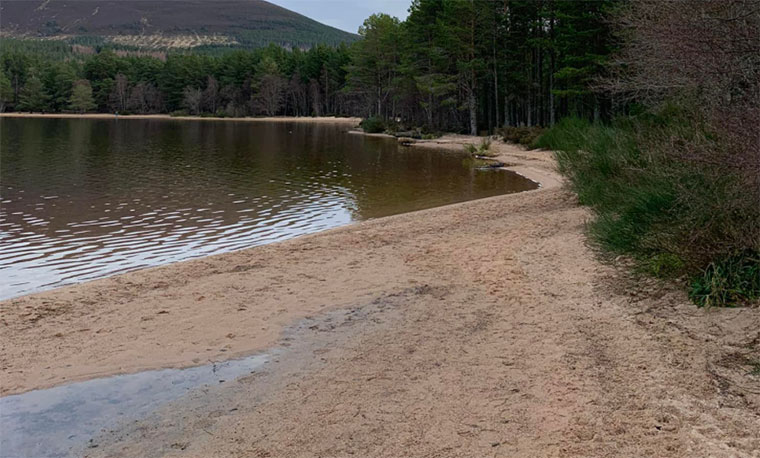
487,328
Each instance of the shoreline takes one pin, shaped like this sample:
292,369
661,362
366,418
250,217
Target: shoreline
487,322
539,170
165,117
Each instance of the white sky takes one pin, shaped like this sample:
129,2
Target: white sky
347,15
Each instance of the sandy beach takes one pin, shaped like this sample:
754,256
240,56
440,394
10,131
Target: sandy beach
487,328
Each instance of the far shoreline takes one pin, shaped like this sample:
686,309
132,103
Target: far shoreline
448,142
306,119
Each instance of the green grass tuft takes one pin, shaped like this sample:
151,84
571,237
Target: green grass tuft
734,280
664,265
484,149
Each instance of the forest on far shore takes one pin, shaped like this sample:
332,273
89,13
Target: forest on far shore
453,65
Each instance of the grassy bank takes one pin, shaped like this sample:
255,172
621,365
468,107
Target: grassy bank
679,218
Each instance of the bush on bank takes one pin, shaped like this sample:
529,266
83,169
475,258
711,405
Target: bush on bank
373,125
677,218
520,135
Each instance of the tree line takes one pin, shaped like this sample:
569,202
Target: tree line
471,65
269,81
454,65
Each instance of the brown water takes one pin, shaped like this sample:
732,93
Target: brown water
83,199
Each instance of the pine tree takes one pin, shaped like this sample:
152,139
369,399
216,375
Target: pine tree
583,40
6,91
81,99
16,66
59,81
426,62
462,19
375,63
33,97
268,86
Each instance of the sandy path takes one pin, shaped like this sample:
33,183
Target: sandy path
480,329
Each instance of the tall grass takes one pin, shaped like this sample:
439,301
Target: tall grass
675,217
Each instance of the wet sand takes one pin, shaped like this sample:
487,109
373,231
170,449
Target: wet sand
487,328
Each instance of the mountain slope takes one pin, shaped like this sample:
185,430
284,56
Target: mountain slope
166,24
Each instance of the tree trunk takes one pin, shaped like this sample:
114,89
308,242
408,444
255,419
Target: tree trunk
540,104
495,76
507,112
496,97
530,108
430,109
473,104
596,110
552,116
553,63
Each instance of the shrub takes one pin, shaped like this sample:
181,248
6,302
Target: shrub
373,125
664,265
520,135
674,217
484,149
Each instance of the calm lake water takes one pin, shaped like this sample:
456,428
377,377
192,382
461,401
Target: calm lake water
83,199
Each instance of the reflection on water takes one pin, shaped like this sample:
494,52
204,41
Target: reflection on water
82,199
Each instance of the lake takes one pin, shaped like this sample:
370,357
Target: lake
86,198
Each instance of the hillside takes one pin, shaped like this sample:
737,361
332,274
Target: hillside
165,24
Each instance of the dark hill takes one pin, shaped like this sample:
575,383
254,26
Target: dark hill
167,23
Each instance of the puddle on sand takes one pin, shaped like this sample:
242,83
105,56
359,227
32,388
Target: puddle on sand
49,423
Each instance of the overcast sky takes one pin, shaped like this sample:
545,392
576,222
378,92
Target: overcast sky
345,14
